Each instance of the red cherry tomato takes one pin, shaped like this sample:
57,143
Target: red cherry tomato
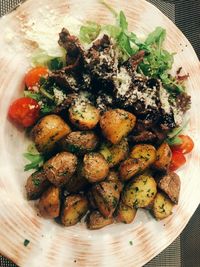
32,77
24,111
187,144
178,159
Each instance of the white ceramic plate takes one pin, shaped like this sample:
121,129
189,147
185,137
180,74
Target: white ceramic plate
51,244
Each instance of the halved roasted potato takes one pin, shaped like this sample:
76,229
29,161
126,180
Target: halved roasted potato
163,157
125,214
145,153
113,177
170,183
49,203
129,168
114,154
83,115
75,207
95,167
60,168
76,183
49,130
96,221
116,124
140,192
162,206
36,184
79,142
106,196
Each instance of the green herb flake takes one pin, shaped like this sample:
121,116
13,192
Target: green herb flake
131,242
56,64
26,242
36,182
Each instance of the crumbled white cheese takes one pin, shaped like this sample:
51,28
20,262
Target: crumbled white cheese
122,81
178,116
164,99
59,96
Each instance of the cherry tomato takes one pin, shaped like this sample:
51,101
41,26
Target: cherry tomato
32,77
178,159
187,144
24,111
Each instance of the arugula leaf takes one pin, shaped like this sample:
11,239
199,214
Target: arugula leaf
109,8
89,32
56,64
112,30
174,141
36,96
122,21
171,85
157,36
36,161
124,43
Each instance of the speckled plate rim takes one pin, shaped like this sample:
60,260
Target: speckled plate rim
145,237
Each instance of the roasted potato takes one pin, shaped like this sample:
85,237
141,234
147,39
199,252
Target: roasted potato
116,124
125,214
60,168
163,157
162,206
96,221
91,200
79,142
106,196
129,168
140,192
145,153
95,167
171,185
76,183
75,207
36,184
49,203
83,115
114,154
114,178
49,130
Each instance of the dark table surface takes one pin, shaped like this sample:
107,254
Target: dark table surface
185,250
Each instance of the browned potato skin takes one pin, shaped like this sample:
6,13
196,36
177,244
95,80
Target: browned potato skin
162,206
84,116
144,152
96,221
129,168
114,154
140,192
60,168
76,183
125,214
114,177
163,157
75,207
36,184
49,130
170,183
95,167
91,200
116,124
106,196
49,203
80,142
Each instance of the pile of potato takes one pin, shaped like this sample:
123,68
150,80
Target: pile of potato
93,170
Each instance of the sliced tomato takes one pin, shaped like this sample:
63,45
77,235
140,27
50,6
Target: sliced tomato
178,159
187,144
32,77
24,111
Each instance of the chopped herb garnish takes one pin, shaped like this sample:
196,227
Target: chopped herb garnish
36,182
36,161
26,242
131,243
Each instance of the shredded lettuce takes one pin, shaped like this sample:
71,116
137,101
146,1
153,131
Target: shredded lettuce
36,160
89,32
